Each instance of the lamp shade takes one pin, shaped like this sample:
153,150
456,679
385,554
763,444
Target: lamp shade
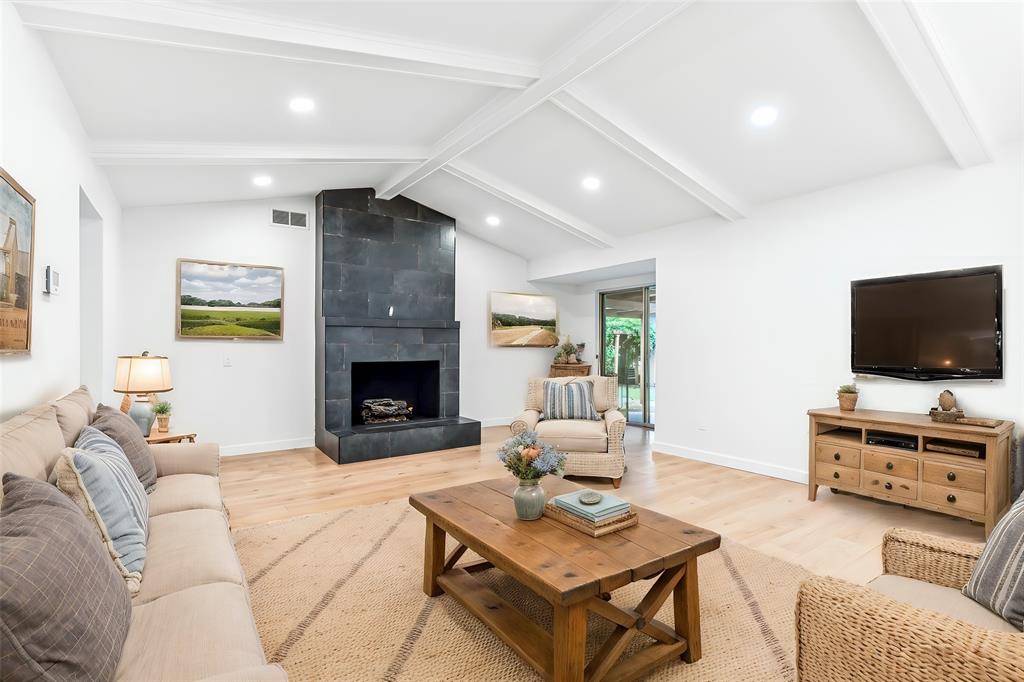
142,374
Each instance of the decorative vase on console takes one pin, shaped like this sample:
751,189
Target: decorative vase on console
529,460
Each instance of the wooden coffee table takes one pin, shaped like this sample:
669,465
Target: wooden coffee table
572,571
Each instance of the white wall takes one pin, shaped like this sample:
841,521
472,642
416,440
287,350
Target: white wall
754,317
43,146
264,400
492,380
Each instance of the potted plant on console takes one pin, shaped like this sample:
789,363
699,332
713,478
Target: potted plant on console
529,460
848,397
162,410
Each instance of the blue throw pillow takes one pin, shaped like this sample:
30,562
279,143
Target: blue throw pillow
997,582
98,477
574,400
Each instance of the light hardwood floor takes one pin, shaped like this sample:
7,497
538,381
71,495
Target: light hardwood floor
838,535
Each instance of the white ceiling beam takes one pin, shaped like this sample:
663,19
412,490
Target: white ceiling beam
527,202
161,153
918,55
219,29
634,144
617,29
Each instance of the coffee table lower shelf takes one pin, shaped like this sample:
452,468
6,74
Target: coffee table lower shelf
559,657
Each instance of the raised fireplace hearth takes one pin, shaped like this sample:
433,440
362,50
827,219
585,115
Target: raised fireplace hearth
386,327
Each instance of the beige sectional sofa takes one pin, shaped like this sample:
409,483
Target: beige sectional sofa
192,619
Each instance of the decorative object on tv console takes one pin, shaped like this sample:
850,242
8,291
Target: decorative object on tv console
847,395
523,320
17,241
947,412
162,410
529,460
142,376
229,301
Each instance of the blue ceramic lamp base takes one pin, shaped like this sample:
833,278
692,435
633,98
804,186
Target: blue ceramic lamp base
142,415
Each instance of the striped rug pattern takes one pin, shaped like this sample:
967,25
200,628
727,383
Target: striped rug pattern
338,596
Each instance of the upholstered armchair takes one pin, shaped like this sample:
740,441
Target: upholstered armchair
592,448
910,624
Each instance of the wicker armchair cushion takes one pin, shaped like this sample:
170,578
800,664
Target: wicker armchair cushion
944,600
998,579
574,435
605,391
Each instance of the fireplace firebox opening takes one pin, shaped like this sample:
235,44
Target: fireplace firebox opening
416,382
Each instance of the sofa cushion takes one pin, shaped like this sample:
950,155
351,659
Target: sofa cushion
181,492
31,442
186,549
103,485
188,635
74,411
125,433
573,435
65,612
574,400
945,600
997,582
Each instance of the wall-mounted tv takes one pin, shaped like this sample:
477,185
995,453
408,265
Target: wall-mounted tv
931,326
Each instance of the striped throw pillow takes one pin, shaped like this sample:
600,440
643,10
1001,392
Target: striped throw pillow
98,477
574,400
997,582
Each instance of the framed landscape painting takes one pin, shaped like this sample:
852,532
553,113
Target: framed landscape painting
17,239
523,320
229,301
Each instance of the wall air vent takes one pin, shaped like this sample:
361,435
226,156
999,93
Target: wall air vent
280,218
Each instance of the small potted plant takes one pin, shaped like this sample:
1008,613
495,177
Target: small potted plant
162,410
529,460
847,395
568,350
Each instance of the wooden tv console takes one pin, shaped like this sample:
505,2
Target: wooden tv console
972,488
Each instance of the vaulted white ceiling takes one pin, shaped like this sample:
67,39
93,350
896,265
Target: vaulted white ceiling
502,108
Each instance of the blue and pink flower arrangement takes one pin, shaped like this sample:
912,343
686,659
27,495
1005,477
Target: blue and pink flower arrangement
528,458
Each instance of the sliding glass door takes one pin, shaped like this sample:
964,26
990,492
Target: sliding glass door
628,330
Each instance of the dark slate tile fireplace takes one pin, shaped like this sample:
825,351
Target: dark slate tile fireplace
386,326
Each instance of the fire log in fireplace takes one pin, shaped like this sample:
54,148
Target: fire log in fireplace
385,410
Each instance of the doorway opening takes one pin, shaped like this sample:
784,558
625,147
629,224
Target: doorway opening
90,293
628,349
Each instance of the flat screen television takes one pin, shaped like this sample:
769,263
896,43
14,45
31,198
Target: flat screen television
931,326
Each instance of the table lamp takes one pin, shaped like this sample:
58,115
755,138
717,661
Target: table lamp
142,376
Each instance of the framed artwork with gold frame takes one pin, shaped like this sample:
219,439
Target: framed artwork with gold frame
17,251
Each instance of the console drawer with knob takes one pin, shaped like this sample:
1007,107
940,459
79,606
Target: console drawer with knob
953,476
837,476
838,455
889,485
891,465
955,498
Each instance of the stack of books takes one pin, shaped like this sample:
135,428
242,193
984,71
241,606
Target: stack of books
606,516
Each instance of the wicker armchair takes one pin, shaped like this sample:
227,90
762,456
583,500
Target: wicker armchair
591,448
849,632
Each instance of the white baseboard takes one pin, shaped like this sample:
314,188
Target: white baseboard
265,446
733,462
496,421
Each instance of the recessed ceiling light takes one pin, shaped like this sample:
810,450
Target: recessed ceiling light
493,220
262,180
591,183
302,105
763,117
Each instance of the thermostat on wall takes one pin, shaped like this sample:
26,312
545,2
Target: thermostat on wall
52,284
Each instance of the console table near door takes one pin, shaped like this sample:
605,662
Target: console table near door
572,571
975,488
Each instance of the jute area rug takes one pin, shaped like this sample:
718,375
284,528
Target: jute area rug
338,596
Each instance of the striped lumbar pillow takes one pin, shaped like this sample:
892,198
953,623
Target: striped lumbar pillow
574,400
98,477
997,582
